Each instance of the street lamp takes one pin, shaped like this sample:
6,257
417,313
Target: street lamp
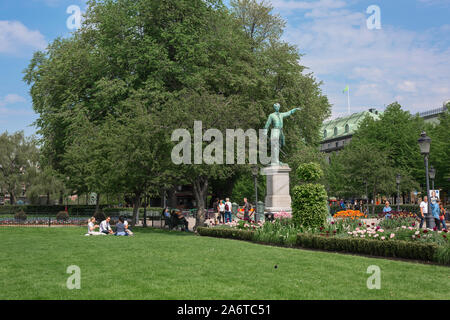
424,144
367,196
255,170
432,173
398,179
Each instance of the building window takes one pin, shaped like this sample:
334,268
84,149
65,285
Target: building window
324,133
337,144
335,131
347,128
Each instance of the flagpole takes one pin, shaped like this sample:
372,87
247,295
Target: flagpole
348,100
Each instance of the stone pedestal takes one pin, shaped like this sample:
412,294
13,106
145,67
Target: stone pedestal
277,189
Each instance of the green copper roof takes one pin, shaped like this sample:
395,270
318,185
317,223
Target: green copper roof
344,126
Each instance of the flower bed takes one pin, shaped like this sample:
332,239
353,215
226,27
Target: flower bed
350,214
347,235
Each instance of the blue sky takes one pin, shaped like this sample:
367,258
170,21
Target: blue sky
407,60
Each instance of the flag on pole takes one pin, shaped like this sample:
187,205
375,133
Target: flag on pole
346,89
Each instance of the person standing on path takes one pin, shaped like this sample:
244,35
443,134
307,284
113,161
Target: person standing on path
423,210
247,208
435,211
227,210
442,216
222,211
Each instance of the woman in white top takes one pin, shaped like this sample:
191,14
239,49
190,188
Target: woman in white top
222,211
91,228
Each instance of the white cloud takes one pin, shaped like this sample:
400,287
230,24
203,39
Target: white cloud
380,66
11,99
16,38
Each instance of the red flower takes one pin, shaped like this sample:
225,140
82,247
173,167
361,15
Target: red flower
425,231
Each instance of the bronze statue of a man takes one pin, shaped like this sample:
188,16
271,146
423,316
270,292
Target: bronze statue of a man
277,136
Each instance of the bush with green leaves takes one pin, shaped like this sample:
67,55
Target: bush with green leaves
20,215
62,215
231,233
309,172
309,200
398,248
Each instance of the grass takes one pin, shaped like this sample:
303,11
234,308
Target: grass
157,264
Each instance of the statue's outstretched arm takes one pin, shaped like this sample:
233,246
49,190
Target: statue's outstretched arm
287,114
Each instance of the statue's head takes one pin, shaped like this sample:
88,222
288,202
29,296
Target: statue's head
276,106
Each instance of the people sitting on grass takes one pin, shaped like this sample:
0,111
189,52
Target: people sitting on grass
105,227
120,227
127,228
177,218
91,228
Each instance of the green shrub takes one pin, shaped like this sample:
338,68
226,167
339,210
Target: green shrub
62,215
20,215
281,232
443,254
309,205
226,233
309,172
397,248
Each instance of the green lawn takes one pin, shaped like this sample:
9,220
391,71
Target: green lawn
158,264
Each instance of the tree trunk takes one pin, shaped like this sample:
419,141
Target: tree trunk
200,190
12,198
97,204
136,205
48,198
61,198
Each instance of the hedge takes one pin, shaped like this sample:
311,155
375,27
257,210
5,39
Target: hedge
230,233
151,212
74,210
393,248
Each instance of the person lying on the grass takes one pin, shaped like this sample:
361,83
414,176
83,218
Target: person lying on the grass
120,228
127,229
105,227
92,226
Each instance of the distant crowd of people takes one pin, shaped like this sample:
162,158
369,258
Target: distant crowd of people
122,228
224,209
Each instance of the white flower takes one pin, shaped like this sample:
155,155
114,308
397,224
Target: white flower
417,232
392,235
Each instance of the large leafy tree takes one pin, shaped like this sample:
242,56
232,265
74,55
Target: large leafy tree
177,61
379,150
18,162
440,150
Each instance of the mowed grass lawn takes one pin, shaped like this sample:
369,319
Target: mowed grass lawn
157,264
